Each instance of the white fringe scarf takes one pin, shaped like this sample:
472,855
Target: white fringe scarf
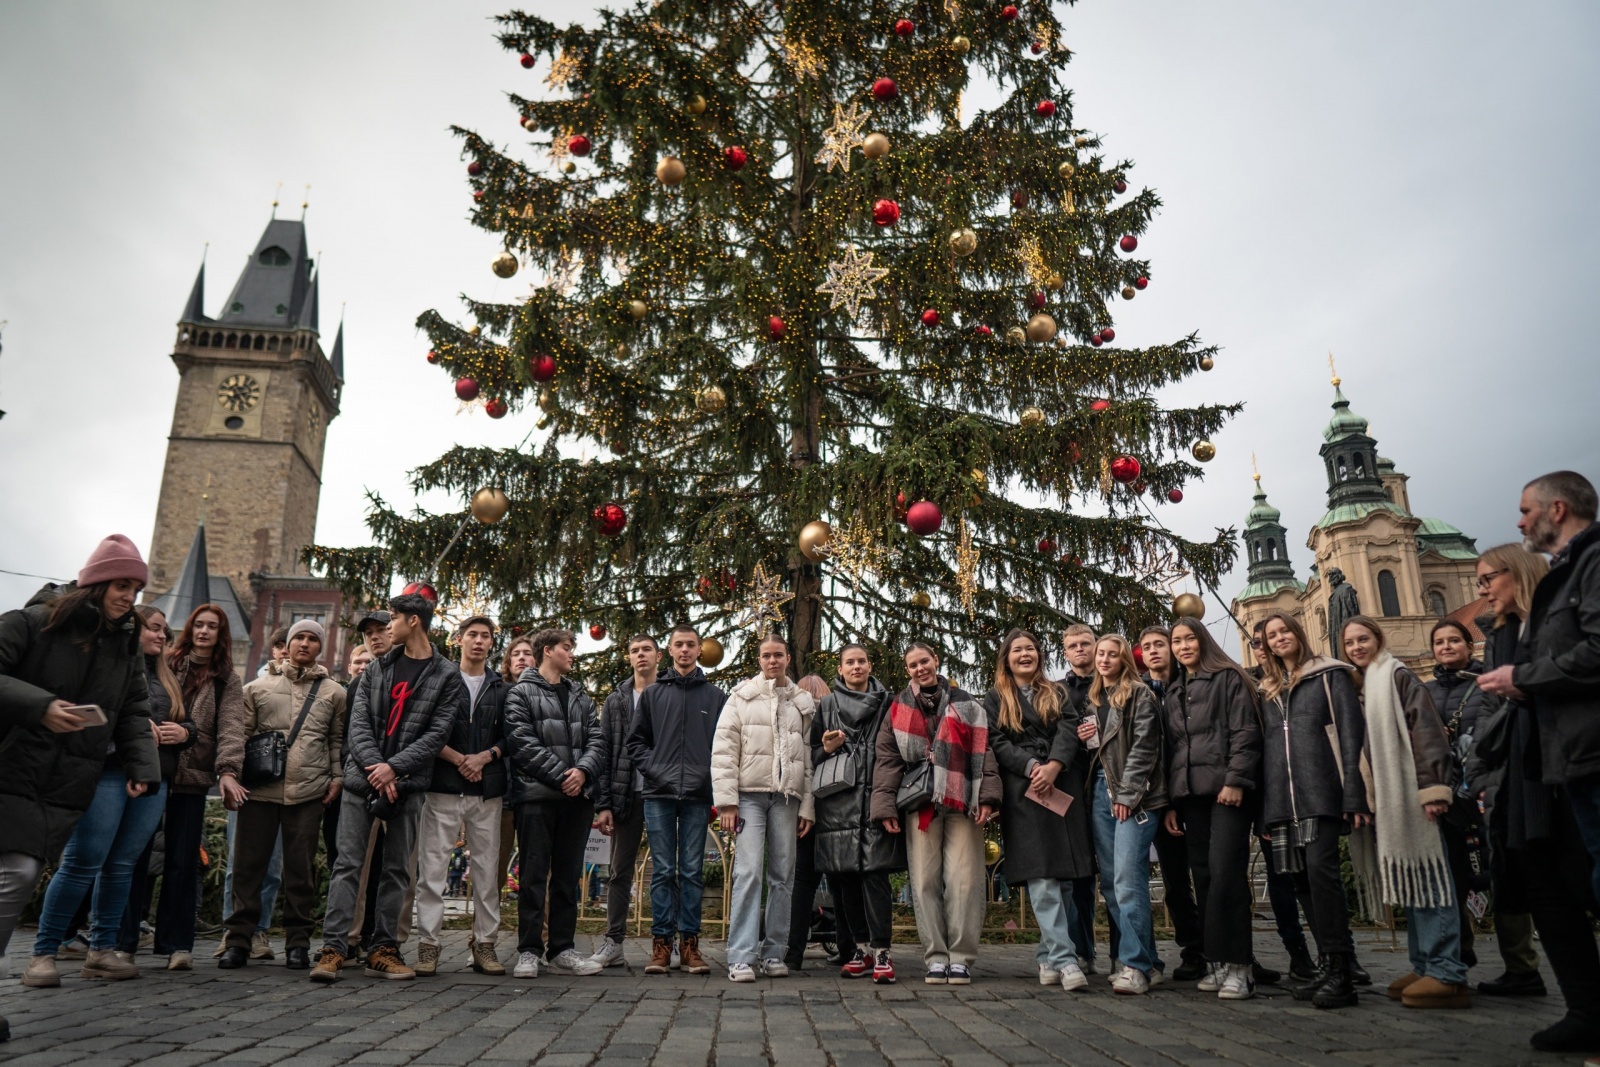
1403,863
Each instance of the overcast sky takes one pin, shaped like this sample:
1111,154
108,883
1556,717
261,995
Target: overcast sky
1411,186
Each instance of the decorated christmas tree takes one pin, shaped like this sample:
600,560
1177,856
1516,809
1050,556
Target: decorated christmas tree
811,345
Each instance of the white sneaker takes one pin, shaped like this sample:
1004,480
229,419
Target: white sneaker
527,965
1156,977
1048,975
775,968
1115,972
1131,982
1213,979
1237,983
609,954
1073,978
741,972
180,961
570,962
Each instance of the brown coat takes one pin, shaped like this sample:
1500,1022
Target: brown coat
1430,744
889,767
273,702
198,765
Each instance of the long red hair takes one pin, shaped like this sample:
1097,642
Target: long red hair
196,676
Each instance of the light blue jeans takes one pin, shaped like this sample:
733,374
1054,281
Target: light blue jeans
1051,900
100,854
771,829
1123,849
269,885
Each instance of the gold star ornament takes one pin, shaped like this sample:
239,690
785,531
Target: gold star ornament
852,280
763,605
843,137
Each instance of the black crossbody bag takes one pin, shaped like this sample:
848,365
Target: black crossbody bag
266,755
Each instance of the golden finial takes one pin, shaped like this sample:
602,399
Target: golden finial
1255,470
1333,370
305,202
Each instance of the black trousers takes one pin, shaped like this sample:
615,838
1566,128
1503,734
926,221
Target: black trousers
255,837
552,835
1285,900
1219,858
330,830
1321,884
1552,877
862,903
803,901
1173,854
179,905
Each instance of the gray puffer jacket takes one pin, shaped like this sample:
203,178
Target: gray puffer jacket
545,740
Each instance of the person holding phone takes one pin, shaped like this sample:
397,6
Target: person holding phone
73,778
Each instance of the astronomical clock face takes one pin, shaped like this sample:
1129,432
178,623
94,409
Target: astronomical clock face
239,393
314,417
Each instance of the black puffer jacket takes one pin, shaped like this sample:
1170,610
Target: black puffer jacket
615,719
546,742
1558,662
671,736
1038,842
430,711
478,730
849,840
1213,734
1301,777
47,780
1459,700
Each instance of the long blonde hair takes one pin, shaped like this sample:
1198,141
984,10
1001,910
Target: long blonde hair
164,675
1276,677
1046,694
1526,569
1122,692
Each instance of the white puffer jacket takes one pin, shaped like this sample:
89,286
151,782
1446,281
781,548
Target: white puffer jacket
763,744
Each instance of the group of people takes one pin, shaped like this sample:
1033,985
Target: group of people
1484,777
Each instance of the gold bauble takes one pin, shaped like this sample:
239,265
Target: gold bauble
710,652
489,506
1128,292
696,105
670,170
543,423
1190,605
1030,417
504,265
1204,451
876,146
1082,142
991,853
920,599
569,167
547,399
638,309
961,44
710,400
475,331
963,242
1055,281
530,125
813,540
980,479
1016,335
1206,363
1066,170
1041,327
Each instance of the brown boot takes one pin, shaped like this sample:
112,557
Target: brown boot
1398,987
104,963
660,956
329,963
1432,993
42,973
689,954
484,960
427,960
385,962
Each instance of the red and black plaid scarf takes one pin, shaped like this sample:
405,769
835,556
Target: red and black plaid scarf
958,748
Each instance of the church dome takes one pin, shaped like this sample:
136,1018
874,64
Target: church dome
1263,512
1345,423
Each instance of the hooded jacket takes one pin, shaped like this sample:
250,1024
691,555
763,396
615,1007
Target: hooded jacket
1038,842
425,722
1213,732
763,744
848,839
672,733
1132,749
545,741
1301,775
49,779
480,729
1558,662
273,702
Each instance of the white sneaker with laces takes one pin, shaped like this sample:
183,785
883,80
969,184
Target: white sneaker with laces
1073,978
1237,983
609,954
527,965
1213,978
775,968
1049,975
741,972
1131,983
570,962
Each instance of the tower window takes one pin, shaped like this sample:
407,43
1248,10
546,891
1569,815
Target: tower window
233,422
273,257
1361,467
261,342
236,307
1272,549
272,344
1388,593
1344,470
205,340
1436,602
233,340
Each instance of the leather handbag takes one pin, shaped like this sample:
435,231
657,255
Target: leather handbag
837,774
916,788
266,755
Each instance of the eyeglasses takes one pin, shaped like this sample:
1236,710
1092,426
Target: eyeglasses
1255,642
1483,579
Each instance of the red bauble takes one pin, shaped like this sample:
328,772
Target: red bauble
983,331
1069,558
433,357
904,28
423,590
885,213
1019,199
1074,453
1138,656
495,408
1100,405
1125,469
1141,283
734,157
1119,187
1094,339
1045,109
477,194
597,632
474,168
1047,547
1036,301
1108,335
467,388
1128,243
1036,48
1009,12
885,89
526,60
924,518
1175,495
542,368
611,519
776,328
930,317
579,145
708,588
900,508
1139,487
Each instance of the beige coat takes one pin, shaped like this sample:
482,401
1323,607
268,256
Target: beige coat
763,745
273,702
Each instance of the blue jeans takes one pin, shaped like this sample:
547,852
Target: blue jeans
771,829
1051,906
269,885
1584,796
101,853
677,830
1433,938
1123,849
1080,918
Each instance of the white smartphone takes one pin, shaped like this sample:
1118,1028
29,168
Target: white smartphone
93,714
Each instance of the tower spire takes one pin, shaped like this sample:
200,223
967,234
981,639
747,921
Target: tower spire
336,359
194,310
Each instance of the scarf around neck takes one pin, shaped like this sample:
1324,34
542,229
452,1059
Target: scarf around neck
957,748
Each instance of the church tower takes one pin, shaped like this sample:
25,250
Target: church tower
255,395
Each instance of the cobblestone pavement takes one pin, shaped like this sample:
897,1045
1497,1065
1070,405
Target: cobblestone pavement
265,1014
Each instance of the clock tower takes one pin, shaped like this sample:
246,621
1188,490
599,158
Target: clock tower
255,395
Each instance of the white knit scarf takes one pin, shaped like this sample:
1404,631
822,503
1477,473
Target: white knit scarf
1406,863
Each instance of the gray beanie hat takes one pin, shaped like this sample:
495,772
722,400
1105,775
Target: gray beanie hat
311,626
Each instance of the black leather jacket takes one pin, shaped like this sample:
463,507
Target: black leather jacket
1558,662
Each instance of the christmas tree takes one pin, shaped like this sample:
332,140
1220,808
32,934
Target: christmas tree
784,281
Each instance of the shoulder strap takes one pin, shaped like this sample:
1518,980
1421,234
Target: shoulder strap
305,709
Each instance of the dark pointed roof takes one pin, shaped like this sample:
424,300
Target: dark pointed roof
195,309
193,586
337,358
276,283
309,309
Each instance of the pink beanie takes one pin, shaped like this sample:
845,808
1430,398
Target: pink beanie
114,558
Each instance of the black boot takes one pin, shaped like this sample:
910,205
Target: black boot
1574,1033
1264,975
1302,968
297,959
1358,973
1191,968
1525,984
5,1029
233,957
1319,976
1338,990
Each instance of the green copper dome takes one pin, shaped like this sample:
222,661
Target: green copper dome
1263,511
1345,423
